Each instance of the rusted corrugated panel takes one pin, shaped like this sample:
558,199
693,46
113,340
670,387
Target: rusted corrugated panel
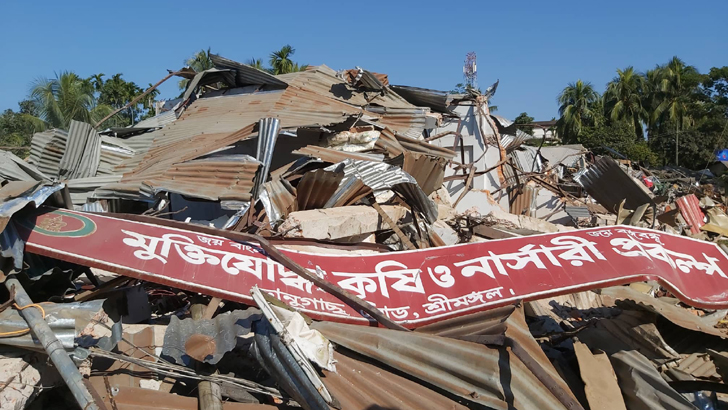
424,147
359,385
642,385
316,187
472,371
606,182
216,178
334,156
426,170
159,159
522,200
387,143
406,121
690,210
670,311
322,80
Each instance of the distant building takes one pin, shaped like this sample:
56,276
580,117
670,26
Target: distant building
545,128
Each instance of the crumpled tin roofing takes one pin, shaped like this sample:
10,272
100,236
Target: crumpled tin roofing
609,185
46,150
83,152
470,371
206,339
440,101
13,168
380,176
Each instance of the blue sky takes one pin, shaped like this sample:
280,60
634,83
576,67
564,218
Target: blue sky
534,47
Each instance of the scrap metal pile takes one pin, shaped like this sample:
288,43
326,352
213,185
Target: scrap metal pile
324,239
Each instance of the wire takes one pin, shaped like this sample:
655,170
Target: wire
26,330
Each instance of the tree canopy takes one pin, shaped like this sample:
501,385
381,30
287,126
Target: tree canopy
676,114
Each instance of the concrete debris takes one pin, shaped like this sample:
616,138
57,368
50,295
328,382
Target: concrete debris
406,247
338,223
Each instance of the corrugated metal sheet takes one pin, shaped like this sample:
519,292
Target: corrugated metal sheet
567,155
13,168
322,80
113,152
335,156
439,101
409,122
247,75
206,339
380,176
690,210
471,371
668,309
216,178
316,188
47,150
83,152
359,385
609,185
158,121
279,200
577,211
426,170
642,386
83,188
424,147
523,201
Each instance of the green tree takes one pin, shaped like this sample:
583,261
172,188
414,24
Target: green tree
617,136
623,99
576,108
281,63
676,93
257,63
117,93
64,98
200,61
524,118
17,128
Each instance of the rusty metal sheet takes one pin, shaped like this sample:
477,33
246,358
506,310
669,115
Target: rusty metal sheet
334,156
600,382
316,188
670,311
216,178
690,210
609,185
413,287
426,170
457,366
359,385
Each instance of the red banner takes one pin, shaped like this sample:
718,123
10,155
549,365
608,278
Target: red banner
413,287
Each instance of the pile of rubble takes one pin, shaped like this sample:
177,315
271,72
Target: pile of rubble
324,239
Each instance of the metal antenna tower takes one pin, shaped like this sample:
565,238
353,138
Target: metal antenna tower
470,71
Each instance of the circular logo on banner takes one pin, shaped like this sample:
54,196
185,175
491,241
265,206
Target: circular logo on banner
61,223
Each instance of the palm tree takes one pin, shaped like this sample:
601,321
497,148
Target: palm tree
623,99
676,86
281,63
201,61
576,108
257,63
64,98
651,98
